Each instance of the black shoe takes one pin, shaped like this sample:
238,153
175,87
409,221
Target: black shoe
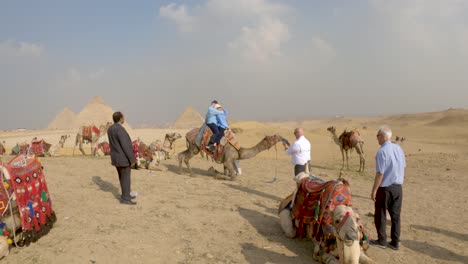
211,148
377,243
393,246
127,202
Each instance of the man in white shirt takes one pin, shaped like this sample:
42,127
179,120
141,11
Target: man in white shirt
299,151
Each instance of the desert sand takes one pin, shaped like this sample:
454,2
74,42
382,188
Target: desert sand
182,219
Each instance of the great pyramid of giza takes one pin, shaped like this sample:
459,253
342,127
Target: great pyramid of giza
67,119
96,112
189,118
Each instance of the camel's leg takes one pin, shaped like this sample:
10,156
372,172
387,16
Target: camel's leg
237,167
342,157
80,146
186,156
78,139
229,169
347,160
361,158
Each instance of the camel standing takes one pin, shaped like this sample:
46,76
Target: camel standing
80,138
230,155
347,141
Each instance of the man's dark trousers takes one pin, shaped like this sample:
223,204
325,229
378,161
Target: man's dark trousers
388,198
124,178
299,168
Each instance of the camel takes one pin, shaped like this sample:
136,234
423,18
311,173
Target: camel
229,156
399,140
161,151
321,211
349,140
2,148
56,149
93,137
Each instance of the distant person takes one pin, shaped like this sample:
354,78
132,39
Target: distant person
221,122
122,157
387,192
299,151
212,123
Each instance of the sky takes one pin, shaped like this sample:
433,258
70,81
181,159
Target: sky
263,60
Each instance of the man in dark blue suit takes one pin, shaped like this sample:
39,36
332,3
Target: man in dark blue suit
122,157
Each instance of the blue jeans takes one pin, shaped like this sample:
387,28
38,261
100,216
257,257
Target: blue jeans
215,130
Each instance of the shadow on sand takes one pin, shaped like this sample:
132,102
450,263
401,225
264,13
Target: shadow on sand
106,186
462,237
269,227
196,171
252,191
434,251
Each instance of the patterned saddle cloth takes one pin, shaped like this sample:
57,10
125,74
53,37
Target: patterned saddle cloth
40,147
87,132
105,147
313,203
201,137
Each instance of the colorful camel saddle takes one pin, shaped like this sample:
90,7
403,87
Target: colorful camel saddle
313,203
20,149
87,132
201,137
24,179
105,147
142,151
40,147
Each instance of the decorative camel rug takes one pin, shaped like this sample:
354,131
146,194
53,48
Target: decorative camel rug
40,147
30,188
105,147
20,149
314,202
87,132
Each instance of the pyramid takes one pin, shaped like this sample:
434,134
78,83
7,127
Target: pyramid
97,112
190,118
67,119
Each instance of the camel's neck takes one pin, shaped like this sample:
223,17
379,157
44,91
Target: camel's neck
335,138
247,153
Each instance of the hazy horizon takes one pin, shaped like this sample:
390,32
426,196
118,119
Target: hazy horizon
263,60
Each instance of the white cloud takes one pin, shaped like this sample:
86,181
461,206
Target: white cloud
262,41
180,16
254,29
15,48
429,25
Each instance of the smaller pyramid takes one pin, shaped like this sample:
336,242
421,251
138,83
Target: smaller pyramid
190,118
67,119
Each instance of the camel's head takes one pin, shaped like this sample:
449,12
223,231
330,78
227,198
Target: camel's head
272,140
347,232
173,136
105,127
332,129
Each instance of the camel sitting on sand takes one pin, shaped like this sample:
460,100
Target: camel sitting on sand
229,156
162,150
90,134
56,149
349,140
322,211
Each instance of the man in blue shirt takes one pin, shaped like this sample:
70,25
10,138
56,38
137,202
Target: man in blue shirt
387,192
221,122
212,123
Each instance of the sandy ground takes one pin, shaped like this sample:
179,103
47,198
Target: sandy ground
180,219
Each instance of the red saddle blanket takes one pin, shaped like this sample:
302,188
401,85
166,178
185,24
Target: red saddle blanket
88,132
105,147
40,147
313,203
141,150
229,138
27,181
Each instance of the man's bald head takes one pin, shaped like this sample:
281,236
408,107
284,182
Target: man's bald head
298,132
